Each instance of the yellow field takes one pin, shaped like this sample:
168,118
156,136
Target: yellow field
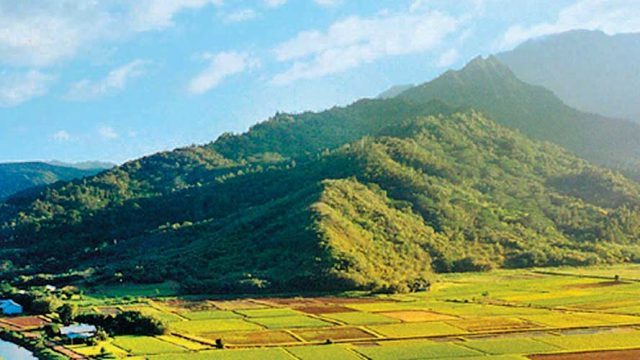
495,316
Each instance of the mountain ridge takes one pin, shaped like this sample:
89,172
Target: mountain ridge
378,195
589,70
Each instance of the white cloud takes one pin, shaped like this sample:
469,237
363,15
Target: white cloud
61,135
158,14
448,58
275,3
354,41
107,133
46,32
114,81
610,16
16,88
241,15
221,66
328,3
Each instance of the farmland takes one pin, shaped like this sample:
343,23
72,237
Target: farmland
500,315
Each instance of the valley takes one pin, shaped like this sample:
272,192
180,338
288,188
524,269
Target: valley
550,313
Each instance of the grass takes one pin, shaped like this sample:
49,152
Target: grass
273,312
289,322
361,318
507,346
333,352
182,342
600,341
137,290
213,325
333,333
210,314
262,354
145,345
96,349
268,337
415,350
417,316
433,328
457,305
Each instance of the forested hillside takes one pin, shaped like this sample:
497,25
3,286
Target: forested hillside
491,87
376,195
422,194
15,177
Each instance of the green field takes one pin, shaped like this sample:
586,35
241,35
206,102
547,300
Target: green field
498,315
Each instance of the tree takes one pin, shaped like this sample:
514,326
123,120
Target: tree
67,313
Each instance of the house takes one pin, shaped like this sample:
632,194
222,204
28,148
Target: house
78,331
10,307
50,288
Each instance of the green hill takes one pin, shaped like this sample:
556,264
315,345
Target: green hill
15,177
376,195
440,193
489,86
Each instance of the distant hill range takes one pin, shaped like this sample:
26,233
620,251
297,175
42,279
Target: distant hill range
466,172
588,70
19,176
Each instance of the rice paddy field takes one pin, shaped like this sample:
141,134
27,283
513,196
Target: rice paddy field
551,314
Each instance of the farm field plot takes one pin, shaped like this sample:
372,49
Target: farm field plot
96,349
237,305
434,328
145,345
417,316
210,314
287,322
416,350
273,312
361,318
492,324
25,322
598,341
333,352
213,325
510,346
500,315
269,337
262,354
336,333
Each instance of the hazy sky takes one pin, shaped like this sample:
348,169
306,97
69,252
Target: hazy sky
118,79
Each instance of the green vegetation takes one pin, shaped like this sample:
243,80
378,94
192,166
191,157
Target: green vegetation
332,352
16,177
142,345
204,326
124,323
489,86
510,346
377,196
295,321
416,350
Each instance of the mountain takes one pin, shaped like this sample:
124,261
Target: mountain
377,195
84,165
492,88
588,70
394,91
15,177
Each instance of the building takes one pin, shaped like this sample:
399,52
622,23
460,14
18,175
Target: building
78,331
10,307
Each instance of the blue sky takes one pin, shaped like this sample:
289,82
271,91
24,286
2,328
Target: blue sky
117,79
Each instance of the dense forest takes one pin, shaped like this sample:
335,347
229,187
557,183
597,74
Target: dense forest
16,177
377,195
